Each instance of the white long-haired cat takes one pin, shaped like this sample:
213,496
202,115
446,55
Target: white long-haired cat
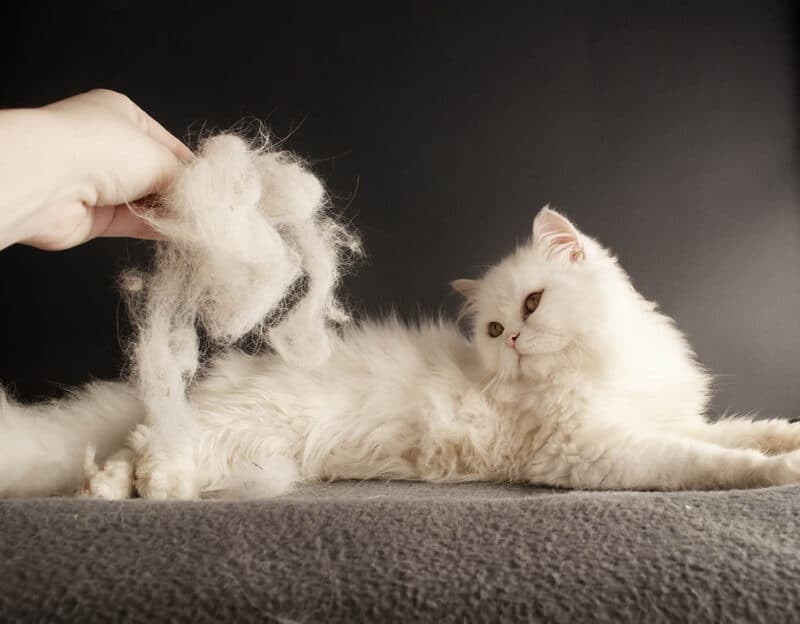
570,378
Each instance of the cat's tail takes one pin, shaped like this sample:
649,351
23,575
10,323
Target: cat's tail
43,446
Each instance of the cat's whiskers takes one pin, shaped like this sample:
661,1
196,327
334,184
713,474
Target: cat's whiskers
489,384
494,380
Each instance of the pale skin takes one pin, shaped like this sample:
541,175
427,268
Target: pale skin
78,169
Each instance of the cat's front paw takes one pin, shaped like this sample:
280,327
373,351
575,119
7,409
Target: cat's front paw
163,470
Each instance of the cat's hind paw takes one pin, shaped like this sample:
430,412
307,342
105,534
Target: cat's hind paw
114,481
170,482
163,471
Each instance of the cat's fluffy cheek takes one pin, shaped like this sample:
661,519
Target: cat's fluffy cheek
495,356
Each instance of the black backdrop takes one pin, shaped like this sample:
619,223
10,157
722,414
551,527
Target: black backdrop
668,130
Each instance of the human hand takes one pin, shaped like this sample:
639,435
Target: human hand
79,165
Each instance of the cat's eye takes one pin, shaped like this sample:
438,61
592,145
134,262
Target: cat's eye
532,302
495,329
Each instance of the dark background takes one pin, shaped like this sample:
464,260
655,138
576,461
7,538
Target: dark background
668,130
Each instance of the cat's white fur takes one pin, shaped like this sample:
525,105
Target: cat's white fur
597,390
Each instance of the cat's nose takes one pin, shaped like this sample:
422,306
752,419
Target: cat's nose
511,341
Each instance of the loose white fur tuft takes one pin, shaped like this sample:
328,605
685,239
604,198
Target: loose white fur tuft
569,378
242,226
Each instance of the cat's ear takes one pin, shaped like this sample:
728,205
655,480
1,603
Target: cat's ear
557,236
467,288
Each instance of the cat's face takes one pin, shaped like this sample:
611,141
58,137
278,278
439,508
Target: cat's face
551,300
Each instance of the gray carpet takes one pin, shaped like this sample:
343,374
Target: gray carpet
350,552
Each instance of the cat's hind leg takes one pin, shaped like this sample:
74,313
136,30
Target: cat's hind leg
772,436
255,478
616,458
216,465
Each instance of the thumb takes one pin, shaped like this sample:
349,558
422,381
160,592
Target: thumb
121,221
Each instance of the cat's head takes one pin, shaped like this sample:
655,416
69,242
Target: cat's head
556,299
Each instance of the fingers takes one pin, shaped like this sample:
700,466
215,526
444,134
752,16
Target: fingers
157,132
121,221
126,156
122,104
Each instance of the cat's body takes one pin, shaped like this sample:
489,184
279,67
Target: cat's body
570,379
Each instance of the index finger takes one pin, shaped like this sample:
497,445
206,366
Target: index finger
159,133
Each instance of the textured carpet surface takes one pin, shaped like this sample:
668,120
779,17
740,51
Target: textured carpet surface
405,552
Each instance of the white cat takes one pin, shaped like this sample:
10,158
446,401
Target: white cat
571,378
